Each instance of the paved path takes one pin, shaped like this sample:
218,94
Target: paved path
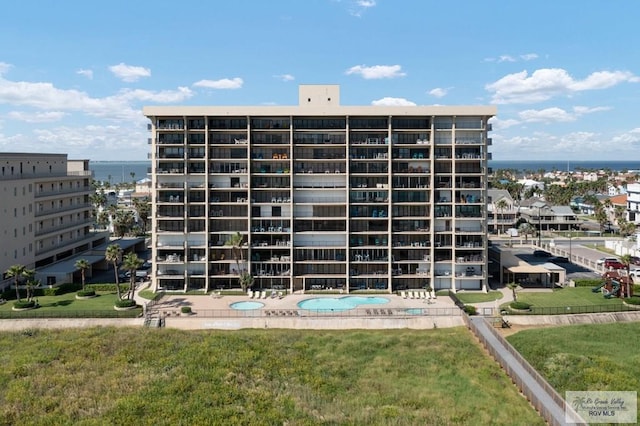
530,385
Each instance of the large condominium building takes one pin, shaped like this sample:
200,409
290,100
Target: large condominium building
324,196
46,213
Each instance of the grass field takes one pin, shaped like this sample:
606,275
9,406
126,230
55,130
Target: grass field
584,357
479,297
67,305
254,377
568,296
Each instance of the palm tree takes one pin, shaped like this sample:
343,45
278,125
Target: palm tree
113,254
16,272
131,262
143,208
235,241
246,281
31,283
513,287
502,205
82,265
527,229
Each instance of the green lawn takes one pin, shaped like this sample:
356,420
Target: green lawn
584,357
569,296
67,305
479,297
254,377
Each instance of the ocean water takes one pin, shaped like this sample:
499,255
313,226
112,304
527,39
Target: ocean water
120,171
564,165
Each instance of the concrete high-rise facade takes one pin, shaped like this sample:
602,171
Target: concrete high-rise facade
46,212
324,196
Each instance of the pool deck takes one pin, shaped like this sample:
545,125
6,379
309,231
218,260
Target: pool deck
214,313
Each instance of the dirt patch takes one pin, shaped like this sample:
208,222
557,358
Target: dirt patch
504,332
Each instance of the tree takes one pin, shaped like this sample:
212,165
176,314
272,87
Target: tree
123,222
143,208
502,205
235,241
82,265
513,287
246,281
30,283
133,179
527,229
131,262
16,272
113,254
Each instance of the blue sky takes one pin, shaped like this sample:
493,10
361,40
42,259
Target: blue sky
565,75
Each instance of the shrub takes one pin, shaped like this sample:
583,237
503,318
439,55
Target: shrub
521,306
111,288
185,309
24,304
86,293
125,303
470,310
587,282
633,300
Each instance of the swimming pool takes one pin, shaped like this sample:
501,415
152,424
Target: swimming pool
339,304
246,306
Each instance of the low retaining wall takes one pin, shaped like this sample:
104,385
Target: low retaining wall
570,319
52,323
313,323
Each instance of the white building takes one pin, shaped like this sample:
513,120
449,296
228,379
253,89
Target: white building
325,196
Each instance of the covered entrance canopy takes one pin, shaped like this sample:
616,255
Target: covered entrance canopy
528,275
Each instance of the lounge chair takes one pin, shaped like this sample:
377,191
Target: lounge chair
433,295
250,294
264,295
403,294
423,294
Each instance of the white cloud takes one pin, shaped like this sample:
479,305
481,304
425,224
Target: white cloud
438,92
4,67
499,124
358,7
546,83
506,58
376,71
225,83
129,73
581,110
37,117
630,138
529,56
388,101
45,96
546,115
164,96
285,77
86,73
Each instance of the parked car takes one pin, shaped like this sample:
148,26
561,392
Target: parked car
141,275
634,273
602,260
559,259
614,264
541,253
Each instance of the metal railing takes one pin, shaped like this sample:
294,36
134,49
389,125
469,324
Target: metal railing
304,313
549,403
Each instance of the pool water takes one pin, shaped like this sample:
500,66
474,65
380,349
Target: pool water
339,304
246,306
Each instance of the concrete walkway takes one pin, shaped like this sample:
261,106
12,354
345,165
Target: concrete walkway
543,397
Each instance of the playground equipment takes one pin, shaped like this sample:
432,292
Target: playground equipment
615,285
